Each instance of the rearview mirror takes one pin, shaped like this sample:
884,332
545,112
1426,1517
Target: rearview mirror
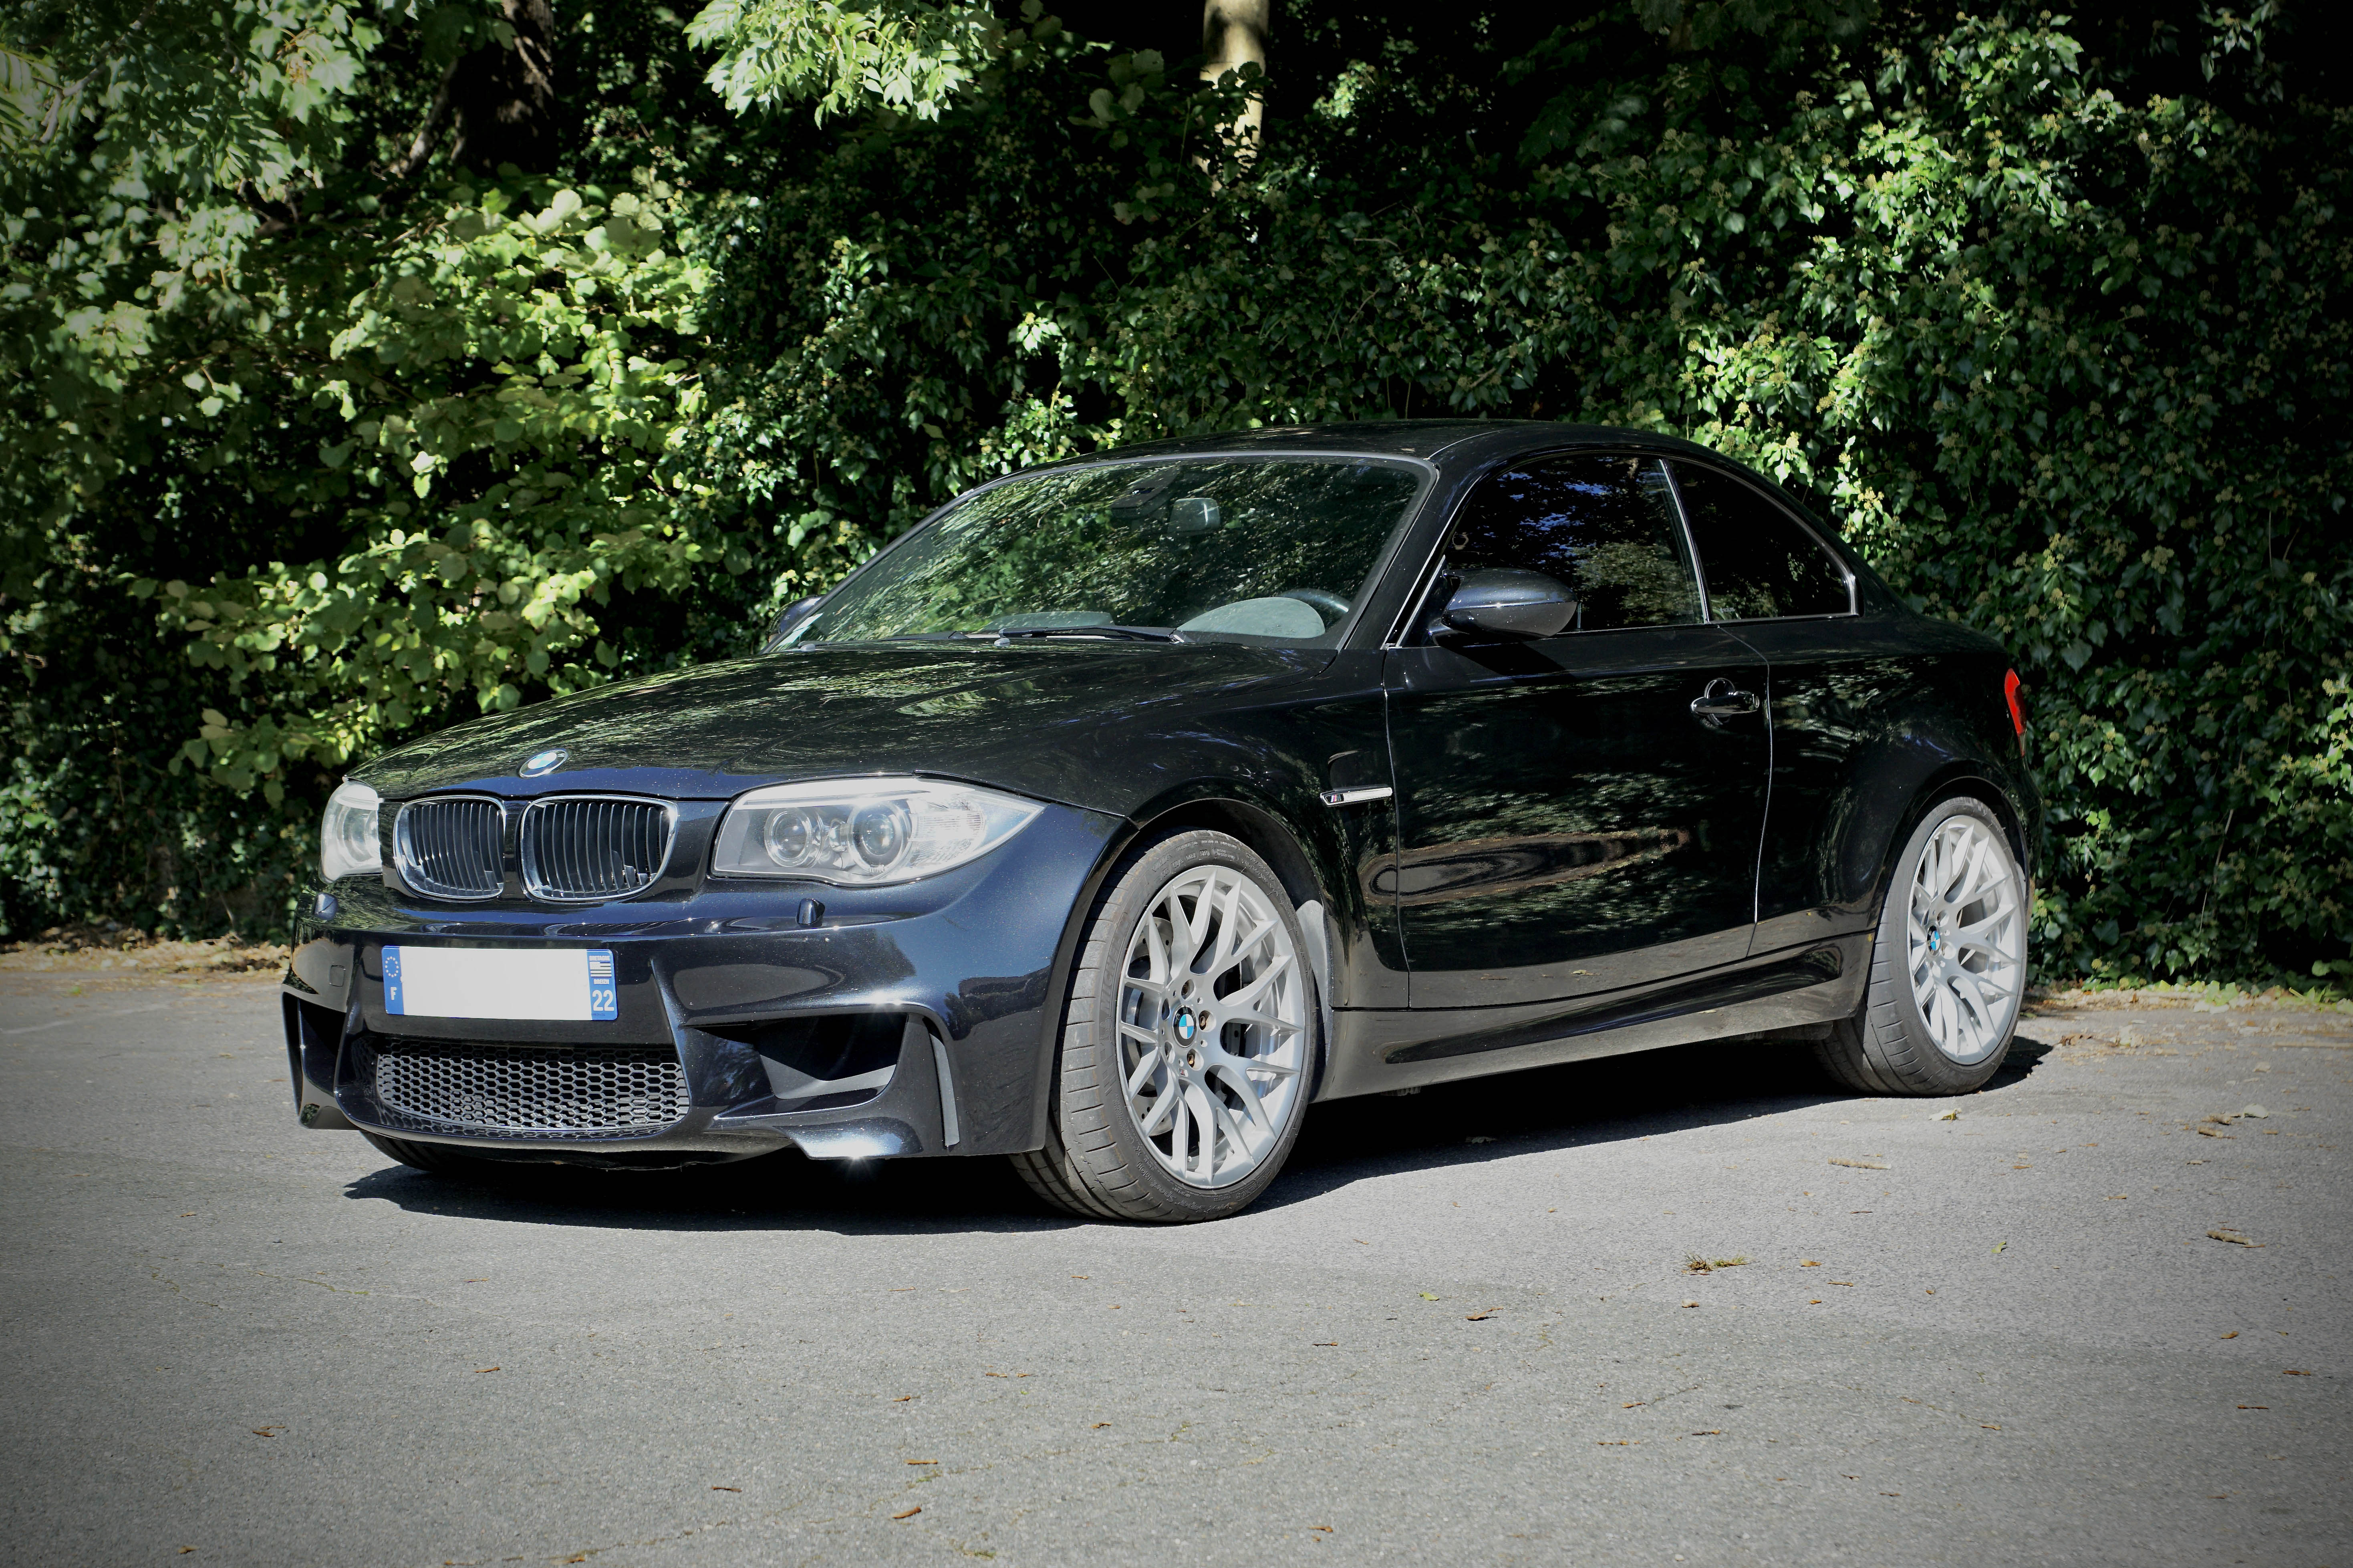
1505,604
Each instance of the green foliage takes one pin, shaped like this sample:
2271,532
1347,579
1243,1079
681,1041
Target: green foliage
2053,321
903,54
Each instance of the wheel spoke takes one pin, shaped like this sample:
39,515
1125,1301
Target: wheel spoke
1251,1019
1147,1070
1228,1070
1198,1103
1164,1109
1250,990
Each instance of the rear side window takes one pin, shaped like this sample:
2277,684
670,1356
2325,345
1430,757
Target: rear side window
1759,562
1604,526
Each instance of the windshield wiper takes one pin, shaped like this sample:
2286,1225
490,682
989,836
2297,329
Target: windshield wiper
1134,634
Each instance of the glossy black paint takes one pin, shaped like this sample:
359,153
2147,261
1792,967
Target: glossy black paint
1586,865
1567,824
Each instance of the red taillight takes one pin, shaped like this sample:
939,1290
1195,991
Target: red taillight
2010,685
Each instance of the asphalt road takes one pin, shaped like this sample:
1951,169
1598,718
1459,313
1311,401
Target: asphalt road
1459,1330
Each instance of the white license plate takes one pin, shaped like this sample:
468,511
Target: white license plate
573,983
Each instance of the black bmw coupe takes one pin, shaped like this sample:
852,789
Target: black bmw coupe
1132,805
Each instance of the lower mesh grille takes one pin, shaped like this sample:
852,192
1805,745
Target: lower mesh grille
520,1091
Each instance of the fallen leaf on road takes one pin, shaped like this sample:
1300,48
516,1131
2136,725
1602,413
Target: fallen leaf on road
1324,1528
1944,1116
903,1399
2119,1197
909,1514
1989,1425
1815,1302
1858,1165
2292,1372
1695,1264
1691,1303
2255,1407
267,1431
1482,1317
2256,1113
483,1368
2204,1131
923,1461
1809,1263
1614,1442
727,1488
2233,1237
2232,1335
1327,1345
1848,1283
1428,1297
2002,1246
1098,1426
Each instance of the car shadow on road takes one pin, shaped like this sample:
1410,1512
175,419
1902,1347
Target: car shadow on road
1616,1099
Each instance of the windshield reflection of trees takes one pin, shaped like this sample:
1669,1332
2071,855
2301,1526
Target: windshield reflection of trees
1056,543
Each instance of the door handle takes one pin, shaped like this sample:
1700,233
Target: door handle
1722,699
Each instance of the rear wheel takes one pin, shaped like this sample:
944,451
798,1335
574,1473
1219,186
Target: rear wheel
1188,1041
1947,963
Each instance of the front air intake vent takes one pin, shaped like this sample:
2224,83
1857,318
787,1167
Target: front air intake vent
479,1091
581,849
449,846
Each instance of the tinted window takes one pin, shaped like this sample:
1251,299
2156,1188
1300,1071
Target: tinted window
1604,526
1760,562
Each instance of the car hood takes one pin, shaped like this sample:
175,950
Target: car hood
1040,718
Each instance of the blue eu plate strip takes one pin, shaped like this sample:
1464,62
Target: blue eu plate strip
395,1000
603,999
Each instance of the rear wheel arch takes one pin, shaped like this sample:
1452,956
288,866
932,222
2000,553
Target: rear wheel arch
1959,779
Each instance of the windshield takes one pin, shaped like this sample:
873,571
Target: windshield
1257,549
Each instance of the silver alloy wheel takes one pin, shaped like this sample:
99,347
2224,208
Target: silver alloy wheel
1966,938
1212,1026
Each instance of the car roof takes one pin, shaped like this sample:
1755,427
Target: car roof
1447,442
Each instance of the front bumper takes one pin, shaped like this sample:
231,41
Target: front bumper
915,1020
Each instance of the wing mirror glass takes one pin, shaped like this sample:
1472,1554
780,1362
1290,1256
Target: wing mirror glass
1507,605
791,615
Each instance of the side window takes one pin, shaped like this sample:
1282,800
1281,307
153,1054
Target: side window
1604,526
1760,562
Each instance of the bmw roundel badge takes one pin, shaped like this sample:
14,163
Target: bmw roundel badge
1184,1023
545,762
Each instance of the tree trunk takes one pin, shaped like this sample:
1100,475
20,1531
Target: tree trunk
1233,33
500,99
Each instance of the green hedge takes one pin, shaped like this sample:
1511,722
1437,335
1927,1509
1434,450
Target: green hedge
2053,321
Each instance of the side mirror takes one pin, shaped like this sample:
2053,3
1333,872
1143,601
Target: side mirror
1505,604
791,615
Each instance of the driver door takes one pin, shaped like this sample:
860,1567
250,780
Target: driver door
1569,824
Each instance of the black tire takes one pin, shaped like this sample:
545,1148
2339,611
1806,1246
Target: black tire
434,1158
1888,1047
1096,1163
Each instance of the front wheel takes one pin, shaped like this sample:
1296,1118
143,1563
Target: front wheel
1947,963
1188,1041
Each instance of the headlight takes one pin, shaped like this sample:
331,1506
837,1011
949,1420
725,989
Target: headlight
864,832
348,844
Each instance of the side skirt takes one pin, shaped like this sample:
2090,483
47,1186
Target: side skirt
1378,1050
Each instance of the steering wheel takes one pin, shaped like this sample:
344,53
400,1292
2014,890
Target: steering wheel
1328,604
